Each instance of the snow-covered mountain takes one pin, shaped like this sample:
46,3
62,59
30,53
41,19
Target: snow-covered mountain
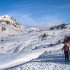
38,49
33,30
61,26
10,26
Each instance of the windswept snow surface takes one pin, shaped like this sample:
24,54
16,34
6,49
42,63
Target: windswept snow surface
19,49
13,60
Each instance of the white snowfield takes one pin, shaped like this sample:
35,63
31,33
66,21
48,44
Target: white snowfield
17,50
22,58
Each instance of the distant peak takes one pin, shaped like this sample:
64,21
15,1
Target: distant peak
5,16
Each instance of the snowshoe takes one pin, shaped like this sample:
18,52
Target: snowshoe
67,61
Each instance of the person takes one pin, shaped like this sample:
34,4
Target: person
66,52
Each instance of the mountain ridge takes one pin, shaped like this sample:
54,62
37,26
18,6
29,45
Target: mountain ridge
61,26
10,25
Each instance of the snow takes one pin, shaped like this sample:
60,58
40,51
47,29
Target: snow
29,52
25,57
47,61
11,26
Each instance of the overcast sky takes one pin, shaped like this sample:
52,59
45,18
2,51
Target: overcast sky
37,13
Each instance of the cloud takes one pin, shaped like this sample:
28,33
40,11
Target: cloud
40,22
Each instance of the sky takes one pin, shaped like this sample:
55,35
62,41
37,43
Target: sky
37,13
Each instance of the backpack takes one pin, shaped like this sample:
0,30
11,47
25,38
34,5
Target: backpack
66,47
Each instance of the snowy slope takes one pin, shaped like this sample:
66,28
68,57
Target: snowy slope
61,26
32,51
20,48
47,61
10,61
9,25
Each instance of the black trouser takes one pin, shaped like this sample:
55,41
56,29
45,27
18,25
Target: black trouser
66,55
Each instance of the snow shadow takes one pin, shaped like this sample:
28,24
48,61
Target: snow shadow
45,58
51,58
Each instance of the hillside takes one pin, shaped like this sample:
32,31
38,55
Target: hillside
31,49
16,50
9,25
61,26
